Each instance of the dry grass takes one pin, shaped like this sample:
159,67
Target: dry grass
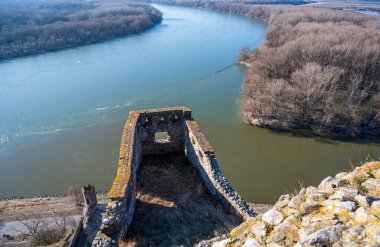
358,180
174,207
11,209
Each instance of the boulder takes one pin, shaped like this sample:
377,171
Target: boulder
259,229
322,238
251,242
339,207
375,208
353,234
273,217
365,201
309,207
376,173
372,185
373,233
282,201
344,194
362,217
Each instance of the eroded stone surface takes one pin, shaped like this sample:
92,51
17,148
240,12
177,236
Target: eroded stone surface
343,211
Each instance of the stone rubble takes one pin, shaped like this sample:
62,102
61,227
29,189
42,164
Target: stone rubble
342,211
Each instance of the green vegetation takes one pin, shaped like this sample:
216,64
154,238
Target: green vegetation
28,28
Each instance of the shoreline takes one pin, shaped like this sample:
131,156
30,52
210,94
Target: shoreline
12,208
9,59
338,133
58,195
18,48
42,206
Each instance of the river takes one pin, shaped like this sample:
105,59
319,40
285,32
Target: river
61,113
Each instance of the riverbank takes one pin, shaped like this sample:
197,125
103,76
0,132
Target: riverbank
34,27
13,209
303,78
307,74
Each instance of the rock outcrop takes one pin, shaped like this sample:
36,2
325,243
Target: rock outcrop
341,211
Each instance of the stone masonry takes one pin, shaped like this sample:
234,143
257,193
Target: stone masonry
89,195
138,139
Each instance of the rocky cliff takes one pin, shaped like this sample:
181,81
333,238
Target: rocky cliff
342,211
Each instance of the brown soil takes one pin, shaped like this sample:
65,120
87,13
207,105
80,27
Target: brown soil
174,207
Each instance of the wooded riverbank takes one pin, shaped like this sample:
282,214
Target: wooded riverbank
317,70
39,27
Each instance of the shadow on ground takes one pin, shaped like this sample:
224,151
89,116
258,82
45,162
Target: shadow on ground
174,207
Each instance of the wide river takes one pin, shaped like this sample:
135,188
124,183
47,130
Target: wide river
61,113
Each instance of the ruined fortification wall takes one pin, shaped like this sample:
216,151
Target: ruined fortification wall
202,156
138,139
170,121
122,195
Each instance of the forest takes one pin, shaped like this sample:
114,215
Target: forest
28,28
319,69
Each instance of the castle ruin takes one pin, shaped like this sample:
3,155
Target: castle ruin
140,138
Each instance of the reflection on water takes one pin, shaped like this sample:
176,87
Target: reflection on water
61,114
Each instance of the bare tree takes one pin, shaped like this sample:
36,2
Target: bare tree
33,226
45,231
27,29
244,54
62,221
75,194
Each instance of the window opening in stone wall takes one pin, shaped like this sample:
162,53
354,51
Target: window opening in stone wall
161,136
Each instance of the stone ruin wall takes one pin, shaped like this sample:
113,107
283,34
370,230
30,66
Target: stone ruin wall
202,156
138,139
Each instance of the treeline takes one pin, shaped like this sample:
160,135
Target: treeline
214,4
319,69
35,27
